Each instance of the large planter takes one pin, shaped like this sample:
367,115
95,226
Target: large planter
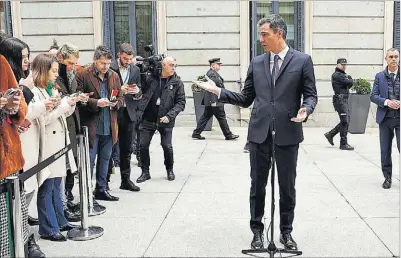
359,106
199,108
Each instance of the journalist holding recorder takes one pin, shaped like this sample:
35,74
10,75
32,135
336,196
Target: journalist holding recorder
162,100
276,82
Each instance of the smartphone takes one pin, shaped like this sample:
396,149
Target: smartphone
11,93
132,85
26,123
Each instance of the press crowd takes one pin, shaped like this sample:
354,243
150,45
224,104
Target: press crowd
44,104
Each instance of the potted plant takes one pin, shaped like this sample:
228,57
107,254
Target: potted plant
198,94
359,106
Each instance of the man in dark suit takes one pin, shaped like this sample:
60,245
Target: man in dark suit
276,81
386,94
212,106
129,75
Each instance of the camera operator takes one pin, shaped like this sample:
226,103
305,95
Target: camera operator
163,99
341,83
130,78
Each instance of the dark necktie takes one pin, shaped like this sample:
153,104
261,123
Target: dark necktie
275,69
392,77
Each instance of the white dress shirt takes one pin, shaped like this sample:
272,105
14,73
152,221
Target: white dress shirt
282,55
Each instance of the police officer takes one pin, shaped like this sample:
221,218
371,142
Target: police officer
341,83
212,107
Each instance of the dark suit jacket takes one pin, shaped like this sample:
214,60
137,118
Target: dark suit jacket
379,93
208,97
134,78
73,121
295,79
87,81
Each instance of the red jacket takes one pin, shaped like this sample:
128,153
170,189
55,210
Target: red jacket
11,159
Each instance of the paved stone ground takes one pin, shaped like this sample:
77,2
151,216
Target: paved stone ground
342,210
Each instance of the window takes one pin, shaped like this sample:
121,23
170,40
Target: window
129,21
292,13
396,36
5,18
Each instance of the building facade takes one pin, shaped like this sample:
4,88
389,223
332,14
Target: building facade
195,31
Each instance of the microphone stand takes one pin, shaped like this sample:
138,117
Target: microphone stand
272,248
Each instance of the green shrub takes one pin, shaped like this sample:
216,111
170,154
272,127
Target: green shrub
361,86
196,88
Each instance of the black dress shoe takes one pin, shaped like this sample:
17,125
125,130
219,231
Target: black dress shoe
68,227
197,136
33,221
72,216
232,137
387,183
104,196
73,207
57,237
129,185
33,249
329,138
144,177
288,242
257,241
69,195
170,175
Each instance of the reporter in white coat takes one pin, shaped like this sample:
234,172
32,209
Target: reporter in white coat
53,136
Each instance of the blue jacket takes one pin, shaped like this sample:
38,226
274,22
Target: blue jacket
380,93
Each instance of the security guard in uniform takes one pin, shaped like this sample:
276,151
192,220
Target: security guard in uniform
341,83
212,106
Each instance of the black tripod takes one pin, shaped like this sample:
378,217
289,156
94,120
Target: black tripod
272,249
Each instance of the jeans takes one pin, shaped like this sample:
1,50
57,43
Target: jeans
102,147
50,207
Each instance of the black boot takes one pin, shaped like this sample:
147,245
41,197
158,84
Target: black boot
33,249
329,138
346,147
170,175
144,176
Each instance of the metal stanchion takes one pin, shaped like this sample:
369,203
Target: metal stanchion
93,210
17,218
85,232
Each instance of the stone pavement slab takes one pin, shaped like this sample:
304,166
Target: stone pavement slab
342,210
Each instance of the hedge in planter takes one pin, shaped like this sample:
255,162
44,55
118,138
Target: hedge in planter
359,106
198,94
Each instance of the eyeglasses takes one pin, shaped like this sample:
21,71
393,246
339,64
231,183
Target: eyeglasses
391,57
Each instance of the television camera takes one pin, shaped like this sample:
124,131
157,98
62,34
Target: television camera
152,64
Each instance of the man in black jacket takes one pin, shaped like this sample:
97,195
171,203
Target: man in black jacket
130,79
68,56
162,100
212,106
341,83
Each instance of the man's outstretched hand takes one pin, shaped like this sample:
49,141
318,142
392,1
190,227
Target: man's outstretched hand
301,116
209,86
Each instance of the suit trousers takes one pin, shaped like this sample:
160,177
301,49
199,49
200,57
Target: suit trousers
147,130
387,129
220,115
286,163
126,132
